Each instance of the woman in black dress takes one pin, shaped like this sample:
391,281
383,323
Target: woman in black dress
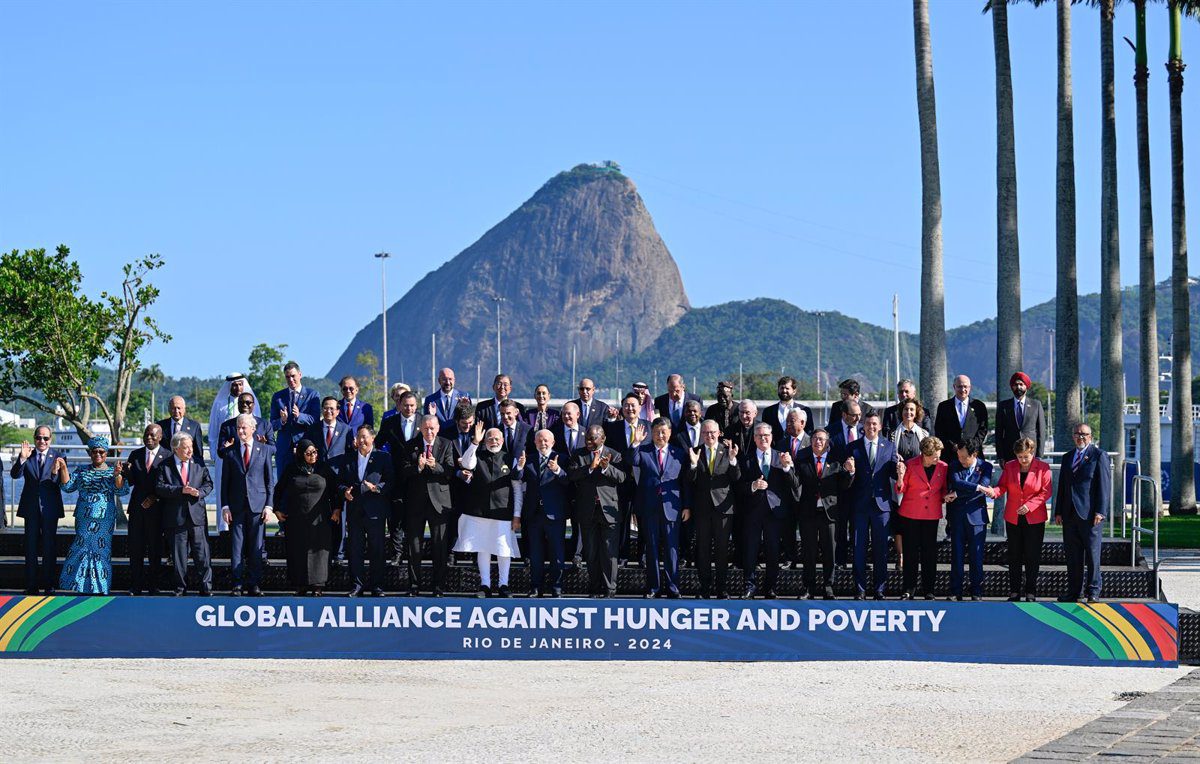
309,491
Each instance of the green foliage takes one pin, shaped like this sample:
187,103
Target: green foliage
370,381
266,371
13,434
53,337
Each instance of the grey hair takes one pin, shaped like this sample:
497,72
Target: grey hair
759,427
178,438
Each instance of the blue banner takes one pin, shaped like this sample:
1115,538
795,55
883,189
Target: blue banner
1110,633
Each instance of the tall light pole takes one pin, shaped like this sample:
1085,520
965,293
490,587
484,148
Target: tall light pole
1050,396
383,258
818,314
498,300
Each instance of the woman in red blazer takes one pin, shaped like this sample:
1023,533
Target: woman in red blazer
1026,480
922,484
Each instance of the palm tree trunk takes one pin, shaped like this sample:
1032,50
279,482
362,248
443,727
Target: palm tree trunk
933,317
1149,439
1183,486
1112,376
1008,255
1066,301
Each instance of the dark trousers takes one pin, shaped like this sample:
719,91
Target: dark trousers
576,545
145,544
789,547
817,530
415,519
40,534
844,533
542,536
1024,552
630,549
920,549
871,529
602,538
687,538
662,547
193,540
712,543
395,527
451,531
246,538
966,541
761,532
1081,542
360,529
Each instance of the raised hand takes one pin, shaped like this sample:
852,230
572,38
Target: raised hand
639,434
349,494
693,457
552,463
733,451
227,443
59,465
604,460
26,450
595,459
296,410
477,433
848,465
785,461
422,462
261,438
283,414
521,461
431,408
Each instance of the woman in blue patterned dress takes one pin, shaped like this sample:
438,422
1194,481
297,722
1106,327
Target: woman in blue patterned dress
88,567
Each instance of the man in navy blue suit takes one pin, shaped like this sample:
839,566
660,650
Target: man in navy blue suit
592,410
182,483
622,435
247,484
1080,504
443,402
366,477
227,437
488,411
293,410
660,473
670,404
967,517
845,432
179,422
351,411
517,434
544,515
332,437
872,503
41,506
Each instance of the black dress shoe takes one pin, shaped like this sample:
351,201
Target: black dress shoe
134,593
1030,598
355,592
648,595
48,591
878,597
1093,600
929,596
438,593
556,593
206,592
31,592
1014,598
807,596
414,591
180,592
318,592
749,593
769,594
483,593
235,591
1068,598
301,592
955,598
377,591
860,596
672,594
906,596
976,598
504,591
829,593
722,594
256,591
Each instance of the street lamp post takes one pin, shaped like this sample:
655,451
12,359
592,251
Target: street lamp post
1050,387
818,314
498,300
383,257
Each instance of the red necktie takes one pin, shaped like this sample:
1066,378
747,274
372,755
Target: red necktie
853,434
183,473
820,466
349,408
660,460
149,461
328,437
246,456
795,446
428,451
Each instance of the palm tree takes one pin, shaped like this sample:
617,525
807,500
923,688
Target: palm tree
1112,375
1066,301
933,316
1008,256
153,376
1151,459
1183,487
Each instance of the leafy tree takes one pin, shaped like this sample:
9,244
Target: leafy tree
370,381
266,371
52,336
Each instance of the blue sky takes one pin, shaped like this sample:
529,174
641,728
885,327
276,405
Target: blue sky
267,150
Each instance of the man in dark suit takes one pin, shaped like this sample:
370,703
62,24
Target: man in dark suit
687,435
145,517
596,473
624,435
179,422
394,432
850,390
906,390
426,463
873,460
544,515
846,432
366,478
247,485
182,484
714,474
227,434
770,489
592,410
488,411
661,500
741,432
542,416
332,437
776,414
823,481
1081,503
670,404
294,409
960,419
459,434
1019,417
517,435
724,411
351,411
40,506
794,440
442,402
568,439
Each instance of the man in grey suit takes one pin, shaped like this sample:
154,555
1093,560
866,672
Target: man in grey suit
1018,417
182,485
596,475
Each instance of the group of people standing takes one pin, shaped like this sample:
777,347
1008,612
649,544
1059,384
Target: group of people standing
772,487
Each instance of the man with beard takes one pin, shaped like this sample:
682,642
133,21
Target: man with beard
491,513
724,412
776,414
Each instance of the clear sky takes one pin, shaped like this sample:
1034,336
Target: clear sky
268,149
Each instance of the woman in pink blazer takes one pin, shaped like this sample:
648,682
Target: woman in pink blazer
922,484
1026,480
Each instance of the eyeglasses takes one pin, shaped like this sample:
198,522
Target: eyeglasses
348,389
1083,435
41,437
311,452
